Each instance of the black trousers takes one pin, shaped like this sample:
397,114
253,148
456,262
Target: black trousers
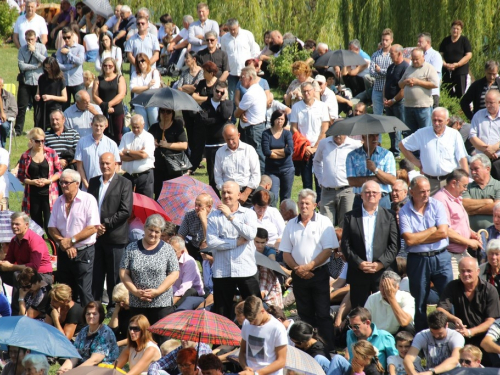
107,260
196,140
71,91
77,273
210,156
25,95
142,183
153,314
364,286
225,288
40,210
312,297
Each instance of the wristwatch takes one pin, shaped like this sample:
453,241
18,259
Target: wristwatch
393,100
376,171
432,370
73,240
128,152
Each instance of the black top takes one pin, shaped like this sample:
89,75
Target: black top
203,90
175,133
454,52
47,86
219,58
73,316
39,170
475,95
270,143
213,120
318,348
107,92
394,74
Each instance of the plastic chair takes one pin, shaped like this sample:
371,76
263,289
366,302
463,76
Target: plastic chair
12,88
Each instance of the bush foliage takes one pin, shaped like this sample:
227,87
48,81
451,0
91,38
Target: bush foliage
7,19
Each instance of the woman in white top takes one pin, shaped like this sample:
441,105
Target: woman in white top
107,49
268,217
141,350
91,45
142,79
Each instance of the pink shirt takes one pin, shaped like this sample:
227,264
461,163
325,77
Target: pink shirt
84,212
31,251
457,217
189,276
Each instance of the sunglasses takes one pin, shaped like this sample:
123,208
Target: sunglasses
134,328
28,286
210,40
140,23
354,326
39,141
141,61
468,362
166,111
219,92
66,37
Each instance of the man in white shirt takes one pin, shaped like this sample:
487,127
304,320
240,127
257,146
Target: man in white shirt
434,58
239,44
329,167
252,112
30,21
310,117
178,46
137,154
198,29
263,341
237,161
328,97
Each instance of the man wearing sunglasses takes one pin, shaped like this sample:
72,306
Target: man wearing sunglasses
142,42
215,55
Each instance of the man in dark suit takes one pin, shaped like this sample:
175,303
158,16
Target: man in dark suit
114,197
370,243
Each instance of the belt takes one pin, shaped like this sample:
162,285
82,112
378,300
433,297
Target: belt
439,178
138,174
335,188
83,247
429,253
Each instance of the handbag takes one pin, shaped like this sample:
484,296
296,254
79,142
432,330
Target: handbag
177,162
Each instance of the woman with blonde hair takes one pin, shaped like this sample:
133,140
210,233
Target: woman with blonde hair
39,170
64,313
302,72
141,350
121,314
365,359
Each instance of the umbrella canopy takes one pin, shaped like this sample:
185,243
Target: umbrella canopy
167,98
14,183
341,57
367,124
144,207
26,333
296,360
198,326
264,261
6,230
323,60
178,196
100,7
101,369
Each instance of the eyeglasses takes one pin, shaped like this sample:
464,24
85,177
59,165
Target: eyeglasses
210,40
468,362
185,364
67,37
219,92
163,110
134,328
39,141
27,286
141,61
355,326
65,183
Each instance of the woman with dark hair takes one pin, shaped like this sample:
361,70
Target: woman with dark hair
144,78
277,147
240,90
95,343
190,78
456,51
33,294
306,338
141,350
268,217
107,49
205,87
51,92
109,91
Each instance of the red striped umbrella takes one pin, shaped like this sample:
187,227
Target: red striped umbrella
198,326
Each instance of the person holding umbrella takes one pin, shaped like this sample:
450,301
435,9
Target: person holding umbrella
15,366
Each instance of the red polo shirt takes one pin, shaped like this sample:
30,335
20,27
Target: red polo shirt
31,251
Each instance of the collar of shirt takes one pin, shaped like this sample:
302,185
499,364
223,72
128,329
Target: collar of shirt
451,197
184,257
78,196
111,179
299,218
366,213
29,233
490,117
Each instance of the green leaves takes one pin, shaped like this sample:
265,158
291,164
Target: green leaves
7,19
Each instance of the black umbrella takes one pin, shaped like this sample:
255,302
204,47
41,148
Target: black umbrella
468,371
341,57
264,261
167,98
323,60
367,124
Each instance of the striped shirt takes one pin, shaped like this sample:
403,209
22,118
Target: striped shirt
67,140
383,61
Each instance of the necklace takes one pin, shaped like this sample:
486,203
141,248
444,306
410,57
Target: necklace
92,332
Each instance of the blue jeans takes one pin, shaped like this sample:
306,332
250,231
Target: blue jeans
417,118
4,131
323,362
396,110
253,136
378,102
307,177
339,366
282,183
149,114
232,81
421,271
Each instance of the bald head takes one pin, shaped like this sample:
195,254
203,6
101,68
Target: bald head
492,102
231,136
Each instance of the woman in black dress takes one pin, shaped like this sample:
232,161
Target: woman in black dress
109,90
170,138
51,93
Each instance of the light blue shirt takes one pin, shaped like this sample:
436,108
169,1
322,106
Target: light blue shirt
434,58
369,222
411,221
137,45
88,151
71,64
231,260
486,128
197,28
31,63
80,120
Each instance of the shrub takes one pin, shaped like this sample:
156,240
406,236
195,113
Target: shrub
8,17
281,66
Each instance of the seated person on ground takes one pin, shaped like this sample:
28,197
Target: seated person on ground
121,315
470,356
64,313
33,294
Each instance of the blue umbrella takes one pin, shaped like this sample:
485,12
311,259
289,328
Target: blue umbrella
32,334
14,183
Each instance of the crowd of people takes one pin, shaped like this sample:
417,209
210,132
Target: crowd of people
400,239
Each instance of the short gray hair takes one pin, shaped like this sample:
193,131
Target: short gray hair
490,64
496,206
20,214
415,180
178,240
249,71
232,22
363,187
155,221
403,182
425,35
304,193
442,109
30,1
481,157
305,84
211,33
145,10
74,175
493,245
79,95
125,9
454,119
188,18
391,275
38,361
137,116
322,45
355,43
291,205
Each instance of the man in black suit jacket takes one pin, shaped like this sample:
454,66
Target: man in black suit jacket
370,243
114,197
